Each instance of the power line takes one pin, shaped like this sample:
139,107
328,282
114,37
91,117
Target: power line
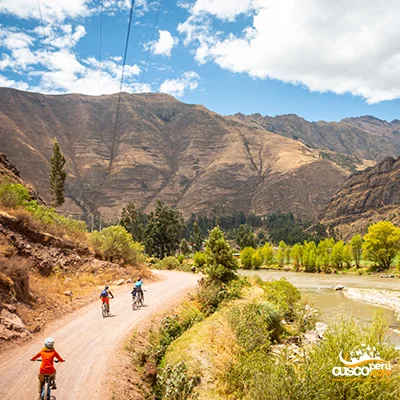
100,42
151,41
45,43
120,87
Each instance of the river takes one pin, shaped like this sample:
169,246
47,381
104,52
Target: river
318,290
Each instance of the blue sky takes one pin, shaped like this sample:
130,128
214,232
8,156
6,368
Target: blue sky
316,58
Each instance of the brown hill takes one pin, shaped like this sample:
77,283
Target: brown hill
363,137
366,197
184,154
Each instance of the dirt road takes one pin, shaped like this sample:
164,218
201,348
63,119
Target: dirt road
87,342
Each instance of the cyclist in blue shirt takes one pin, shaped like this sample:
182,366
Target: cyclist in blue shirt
138,287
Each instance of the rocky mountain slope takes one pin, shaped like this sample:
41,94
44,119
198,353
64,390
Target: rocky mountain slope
364,137
186,155
366,197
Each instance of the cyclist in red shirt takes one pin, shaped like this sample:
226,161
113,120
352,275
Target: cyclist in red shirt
47,354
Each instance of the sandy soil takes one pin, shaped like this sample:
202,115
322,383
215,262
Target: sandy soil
383,298
88,342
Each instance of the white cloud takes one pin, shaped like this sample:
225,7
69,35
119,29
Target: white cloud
177,87
52,10
164,45
5,82
346,46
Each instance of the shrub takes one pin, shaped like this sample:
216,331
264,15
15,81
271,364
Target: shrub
256,259
13,195
255,325
199,259
267,254
246,257
174,383
181,257
169,263
115,244
282,294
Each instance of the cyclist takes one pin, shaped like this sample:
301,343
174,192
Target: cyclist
104,296
138,287
48,354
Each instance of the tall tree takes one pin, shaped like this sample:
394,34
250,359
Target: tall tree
57,175
196,239
382,243
163,231
245,237
134,221
356,245
220,263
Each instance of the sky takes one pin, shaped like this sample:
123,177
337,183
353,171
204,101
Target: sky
320,59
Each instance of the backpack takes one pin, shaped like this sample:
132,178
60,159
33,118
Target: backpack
104,293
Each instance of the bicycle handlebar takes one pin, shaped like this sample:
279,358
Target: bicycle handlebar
56,361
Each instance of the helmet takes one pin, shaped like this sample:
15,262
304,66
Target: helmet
49,343
106,287
139,278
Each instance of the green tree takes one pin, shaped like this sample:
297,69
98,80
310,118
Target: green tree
382,243
246,257
57,175
184,247
347,255
337,255
163,231
134,221
297,255
245,237
280,255
356,246
309,256
13,195
196,239
256,259
267,254
220,263
324,251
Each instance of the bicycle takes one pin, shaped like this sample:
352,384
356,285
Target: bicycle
137,300
48,383
104,310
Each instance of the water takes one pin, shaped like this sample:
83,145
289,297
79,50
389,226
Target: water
331,304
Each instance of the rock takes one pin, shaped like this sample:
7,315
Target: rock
311,336
320,327
129,280
11,321
67,280
10,308
339,287
68,293
119,282
283,322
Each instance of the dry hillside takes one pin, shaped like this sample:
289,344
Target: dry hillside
364,137
367,197
184,154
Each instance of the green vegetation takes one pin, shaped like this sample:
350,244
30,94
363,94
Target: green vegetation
220,263
115,244
57,175
13,195
163,231
134,221
184,247
199,259
245,237
196,238
381,244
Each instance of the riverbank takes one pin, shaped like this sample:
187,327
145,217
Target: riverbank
378,297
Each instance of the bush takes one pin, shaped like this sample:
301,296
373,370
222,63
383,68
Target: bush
181,257
174,383
255,325
246,256
169,263
115,244
256,259
282,294
13,195
199,259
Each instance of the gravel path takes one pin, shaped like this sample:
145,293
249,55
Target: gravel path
88,343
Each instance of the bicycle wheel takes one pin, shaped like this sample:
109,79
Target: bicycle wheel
46,390
104,311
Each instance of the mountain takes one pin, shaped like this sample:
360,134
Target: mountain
186,155
363,137
367,197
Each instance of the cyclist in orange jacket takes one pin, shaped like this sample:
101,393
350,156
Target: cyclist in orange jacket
47,354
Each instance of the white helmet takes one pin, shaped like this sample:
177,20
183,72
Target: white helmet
49,343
